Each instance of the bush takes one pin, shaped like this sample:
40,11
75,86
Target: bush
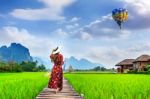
132,72
148,67
138,72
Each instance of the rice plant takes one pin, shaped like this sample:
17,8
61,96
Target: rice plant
111,86
24,85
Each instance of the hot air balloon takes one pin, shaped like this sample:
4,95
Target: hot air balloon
120,15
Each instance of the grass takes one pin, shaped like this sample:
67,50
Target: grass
24,85
111,86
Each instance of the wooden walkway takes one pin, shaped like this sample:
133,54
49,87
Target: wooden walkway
67,93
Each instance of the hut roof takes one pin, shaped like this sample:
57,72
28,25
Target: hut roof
126,62
142,58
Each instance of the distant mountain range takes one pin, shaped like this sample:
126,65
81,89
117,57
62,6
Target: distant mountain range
15,52
75,63
18,53
80,64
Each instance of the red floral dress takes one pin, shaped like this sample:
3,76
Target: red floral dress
56,79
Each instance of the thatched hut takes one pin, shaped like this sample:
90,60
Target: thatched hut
125,65
141,62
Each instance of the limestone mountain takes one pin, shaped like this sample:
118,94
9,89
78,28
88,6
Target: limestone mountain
15,52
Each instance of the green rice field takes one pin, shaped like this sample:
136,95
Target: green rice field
27,85
24,85
111,86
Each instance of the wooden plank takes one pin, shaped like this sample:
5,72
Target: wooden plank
57,98
67,93
64,94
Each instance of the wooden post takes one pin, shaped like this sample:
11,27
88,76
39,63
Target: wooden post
122,69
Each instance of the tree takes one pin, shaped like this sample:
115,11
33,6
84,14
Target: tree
14,67
24,66
41,67
70,69
28,66
97,68
10,67
103,69
2,66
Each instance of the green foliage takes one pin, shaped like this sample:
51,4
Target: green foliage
10,67
132,72
103,69
111,86
138,72
148,68
41,68
28,66
25,85
24,66
98,68
146,71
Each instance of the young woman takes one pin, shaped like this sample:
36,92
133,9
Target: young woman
56,78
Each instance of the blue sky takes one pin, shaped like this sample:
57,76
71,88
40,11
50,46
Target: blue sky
82,28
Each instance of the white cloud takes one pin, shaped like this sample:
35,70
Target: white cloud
37,14
85,36
60,33
139,12
38,46
52,11
57,3
111,55
69,27
143,48
74,19
107,56
103,27
142,6
72,26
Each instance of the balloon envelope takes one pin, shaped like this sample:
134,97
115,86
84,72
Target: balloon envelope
120,15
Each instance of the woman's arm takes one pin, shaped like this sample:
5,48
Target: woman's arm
52,57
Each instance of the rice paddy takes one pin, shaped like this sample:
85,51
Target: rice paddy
27,85
111,86
24,85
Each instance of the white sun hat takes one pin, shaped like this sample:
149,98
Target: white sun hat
56,50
